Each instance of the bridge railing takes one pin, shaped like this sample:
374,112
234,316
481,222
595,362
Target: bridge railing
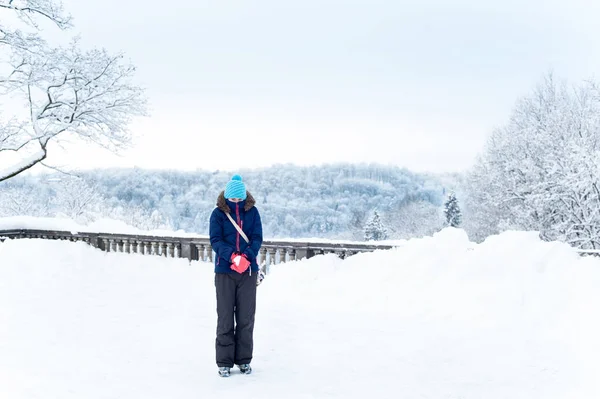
588,252
199,248
194,248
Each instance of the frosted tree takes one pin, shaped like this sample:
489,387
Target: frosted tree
452,211
541,171
69,93
375,230
22,201
326,206
77,200
141,218
483,215
414,219
158,221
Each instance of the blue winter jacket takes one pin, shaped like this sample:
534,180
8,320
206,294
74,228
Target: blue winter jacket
225,239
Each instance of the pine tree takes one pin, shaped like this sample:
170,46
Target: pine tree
452,211
375,230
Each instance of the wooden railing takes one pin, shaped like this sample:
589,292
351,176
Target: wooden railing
194,248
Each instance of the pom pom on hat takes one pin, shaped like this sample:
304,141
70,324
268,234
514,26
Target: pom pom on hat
235,188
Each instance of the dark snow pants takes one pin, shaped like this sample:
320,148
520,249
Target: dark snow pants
236,298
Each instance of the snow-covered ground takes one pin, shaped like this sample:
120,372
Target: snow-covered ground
439,317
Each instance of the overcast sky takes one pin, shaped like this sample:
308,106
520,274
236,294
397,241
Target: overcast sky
419,84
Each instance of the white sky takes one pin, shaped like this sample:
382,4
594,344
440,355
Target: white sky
235,84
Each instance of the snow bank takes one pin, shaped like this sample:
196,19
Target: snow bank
110,226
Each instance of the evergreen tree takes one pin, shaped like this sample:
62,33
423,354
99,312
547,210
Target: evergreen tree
452,211
375,230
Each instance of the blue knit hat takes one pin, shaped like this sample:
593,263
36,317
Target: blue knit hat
235,188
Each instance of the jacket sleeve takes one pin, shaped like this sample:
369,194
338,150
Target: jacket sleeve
222,249
255,237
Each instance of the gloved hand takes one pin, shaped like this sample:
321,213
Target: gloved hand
260,277
239,262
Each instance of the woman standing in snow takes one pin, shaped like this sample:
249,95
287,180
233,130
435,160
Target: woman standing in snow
236,237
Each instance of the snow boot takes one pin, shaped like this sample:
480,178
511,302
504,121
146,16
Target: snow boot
224,371
245,368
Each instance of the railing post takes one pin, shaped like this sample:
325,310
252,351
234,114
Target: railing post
94,241
186,251
272,252
262,253
203,250
209,252
283,255
302,253
310,252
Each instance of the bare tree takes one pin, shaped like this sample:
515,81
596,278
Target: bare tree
68,92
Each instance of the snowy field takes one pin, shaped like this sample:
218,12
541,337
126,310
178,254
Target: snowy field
439,317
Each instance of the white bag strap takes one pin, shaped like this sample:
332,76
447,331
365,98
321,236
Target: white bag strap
237,227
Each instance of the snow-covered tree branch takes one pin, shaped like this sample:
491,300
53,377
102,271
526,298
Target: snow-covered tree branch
30,10
69,92
30,13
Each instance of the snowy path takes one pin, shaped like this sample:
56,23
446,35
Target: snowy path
78,323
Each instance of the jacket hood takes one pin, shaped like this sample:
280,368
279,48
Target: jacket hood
222,202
